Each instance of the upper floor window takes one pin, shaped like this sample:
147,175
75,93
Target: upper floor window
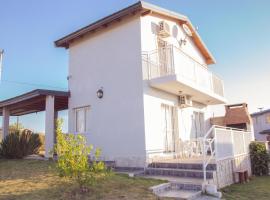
81,115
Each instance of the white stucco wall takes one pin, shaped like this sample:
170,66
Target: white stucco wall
153,98
149,36
111,59
126,122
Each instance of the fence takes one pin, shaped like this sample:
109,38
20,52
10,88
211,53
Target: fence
223,142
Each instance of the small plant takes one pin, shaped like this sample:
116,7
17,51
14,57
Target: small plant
72,153
18,145
259,159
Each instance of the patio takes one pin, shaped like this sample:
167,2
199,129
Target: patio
39,100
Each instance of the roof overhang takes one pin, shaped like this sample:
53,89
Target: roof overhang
142,8
34,101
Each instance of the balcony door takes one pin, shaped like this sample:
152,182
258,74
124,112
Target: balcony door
169,127
164,58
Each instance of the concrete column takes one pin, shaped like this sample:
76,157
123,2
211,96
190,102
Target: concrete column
49,125
5,122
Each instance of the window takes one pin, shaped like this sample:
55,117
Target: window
81,115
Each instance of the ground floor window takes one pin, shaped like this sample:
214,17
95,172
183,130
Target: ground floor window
81,115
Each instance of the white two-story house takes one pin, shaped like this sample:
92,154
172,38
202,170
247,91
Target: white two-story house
141,89
153,69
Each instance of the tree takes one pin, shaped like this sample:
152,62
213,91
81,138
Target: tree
72,159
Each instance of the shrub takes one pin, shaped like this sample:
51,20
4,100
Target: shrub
72,152
18,145
259,158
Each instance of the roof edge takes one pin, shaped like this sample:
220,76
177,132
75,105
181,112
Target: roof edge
32,94
63,42
139,6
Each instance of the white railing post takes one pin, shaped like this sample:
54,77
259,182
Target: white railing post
215,143
212,82
173,71
148,66
244,142
232,141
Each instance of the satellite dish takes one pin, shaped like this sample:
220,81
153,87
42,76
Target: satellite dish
187,30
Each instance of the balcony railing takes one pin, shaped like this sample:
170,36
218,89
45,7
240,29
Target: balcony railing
173,61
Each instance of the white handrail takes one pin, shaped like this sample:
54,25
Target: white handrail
206,148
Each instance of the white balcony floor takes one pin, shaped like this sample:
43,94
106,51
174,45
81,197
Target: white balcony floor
176,85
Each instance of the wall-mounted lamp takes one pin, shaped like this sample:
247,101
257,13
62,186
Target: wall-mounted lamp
100,93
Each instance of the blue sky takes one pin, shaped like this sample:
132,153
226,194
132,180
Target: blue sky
236,32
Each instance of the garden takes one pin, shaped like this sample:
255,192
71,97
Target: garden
72,174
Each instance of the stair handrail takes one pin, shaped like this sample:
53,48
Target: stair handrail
207,139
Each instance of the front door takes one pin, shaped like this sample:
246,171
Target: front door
169,127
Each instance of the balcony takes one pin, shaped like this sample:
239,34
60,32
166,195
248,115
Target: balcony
171,70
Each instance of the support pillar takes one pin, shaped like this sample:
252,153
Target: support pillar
5,121
49,125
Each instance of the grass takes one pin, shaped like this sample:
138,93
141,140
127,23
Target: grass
32,179
258,188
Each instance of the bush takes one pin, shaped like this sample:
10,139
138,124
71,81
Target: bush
72,153
18,145
259,158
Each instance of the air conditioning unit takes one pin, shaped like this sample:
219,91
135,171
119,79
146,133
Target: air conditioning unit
184,101
164,29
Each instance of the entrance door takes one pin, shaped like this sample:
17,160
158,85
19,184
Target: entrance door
169,127
198,121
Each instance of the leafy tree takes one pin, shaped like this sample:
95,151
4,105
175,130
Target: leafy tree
259,158
72,154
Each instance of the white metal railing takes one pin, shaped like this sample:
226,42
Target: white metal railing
223,142
172,60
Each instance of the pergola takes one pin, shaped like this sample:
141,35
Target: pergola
50,101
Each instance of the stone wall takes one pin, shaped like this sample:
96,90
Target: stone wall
226,170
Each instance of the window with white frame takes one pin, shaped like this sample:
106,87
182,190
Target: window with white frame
81,115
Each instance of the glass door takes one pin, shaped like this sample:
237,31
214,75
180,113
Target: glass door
169,127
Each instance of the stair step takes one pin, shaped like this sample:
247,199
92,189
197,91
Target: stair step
180,194
181,180
178,172
198,166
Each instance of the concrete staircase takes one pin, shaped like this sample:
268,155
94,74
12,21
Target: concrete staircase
185,179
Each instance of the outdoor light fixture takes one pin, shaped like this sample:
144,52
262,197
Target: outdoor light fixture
100,93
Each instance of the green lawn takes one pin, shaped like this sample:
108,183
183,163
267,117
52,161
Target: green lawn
37,180
258,188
